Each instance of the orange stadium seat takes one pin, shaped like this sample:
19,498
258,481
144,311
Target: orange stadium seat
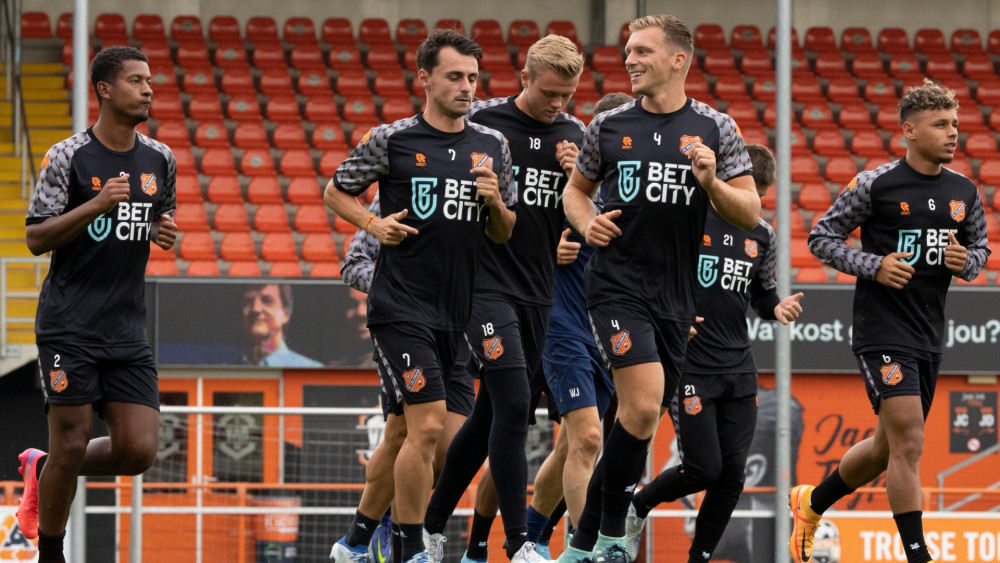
709,36
203,269
185,161
411,31
193,55
856,40
487,32
312,219
337,31
231,55
564,28
224,189
328,270
523,33
199,80
283,108
188,189
504,84
36,25
297,162
867,64
331,159
224,29
278,247
257,162
929,41
186,28
205,106
805,169
111,27
231,217
244,269
289,135
746,37
318,247
396,107
217,161
796,139
797,222
352,82
980,144
867,142
815,196
390,82
801,256
162,268
193,218
173,134
989,174
237,247
830,64
496,58
854,115
966,42
345,57
327,134
300,30
829,142
374,31
382,57
304,190
359,108
820,39
818,115
314,83
285,269
147,27
450,23
343,226
755,134
812,275
269,55
893,40
264,189
718,62
876,160
237,80
607,58
262,29
839,170
196,245
756,63
306,57
250,135
271,218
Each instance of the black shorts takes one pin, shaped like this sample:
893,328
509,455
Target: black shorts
74,374
417,359
629,335
460,392
896,372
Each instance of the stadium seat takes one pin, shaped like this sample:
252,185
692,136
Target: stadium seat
111,27
396,107
297,162
762,89
812,275
756,63
980,144
162,268
202,269
224,189
382,57
828,142
451,23
231,55
805,169
231,217
318,247
300,30
411,31
820,39
327,134
796,139
211,134
321,109
196,245
746,37
257,162
620,82
244,269
583,106
930,41
204,106
830,64
839,170
755,134
904,65
164,80
728,87
289,135
988,91
607,58
352,83
797,229
217,161
304,190
880,91
188,190
200,80
312,219
337,31
978,66
867,142
801,256
374,31
989,174
961,165
285,269
343,226
876,160
941,66
327,270
504,84
157,51
307,57
696,86
283,108
190,55
815,196
264,189
185,161
173,134
487,32
147,27
331,159
36,25
564,28
358,109
897,144
224,29
856,40
278,247
496,58
262,29
623,35
806,88
186,29
970,118
744,112
893,40
523,33
867,64
718,61
345,57
854,115
886,117
818,115
709,36
271,218
64,25
237,247
269,55
250,135
966,42
390,83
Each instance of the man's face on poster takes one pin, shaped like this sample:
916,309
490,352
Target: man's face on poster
264,314
357,315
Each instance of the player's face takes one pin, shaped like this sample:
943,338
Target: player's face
547,94
264,315
451,85
132,92
651,62
933,134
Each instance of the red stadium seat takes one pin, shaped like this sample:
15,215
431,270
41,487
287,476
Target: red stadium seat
886,117
970,119
772,39
801,256
411,31
450,23
304,190
217,161
696,86
867,142
830,64
211,134
64,25
269,55
162,268
978,66
283,108
231,55
756,63
620,82
762,89
237,247
564,28
818,115
897,144
262,29
382,57
981,144
321,109
812,275
966,42
487,32
314,83
289,135
250,135
815,196
961,165
173,134
929,41
299,31
374,31
390,83
224,29
718,62
111,27
893,40
988,92
880,91
523,33
505,84
709,36
244,269
224,189
327,270
360,129
307,57
188,190
820,39
941,65
607,59
744,112
331,159
839,170
854,115
197,245
829,142
583,106
231,217
336,31
623,35
36,25
193,55
318,247
496,58
856,40
297,162
746,37
200,80
805,169
264,189
285,269
185,161
257,162
396,107
352,82
186,28
157,51
278,247
358,109
806,88
797,222
327,135
147,27
345,57
904,65
203,269
204,106
989,174
312,219
867,64
271,218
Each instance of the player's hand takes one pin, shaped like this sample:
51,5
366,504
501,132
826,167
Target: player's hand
390,230
165,232
894,272
566,251
566,152
114,190
789,308
955,255
602,228
487,185
692,331
703,164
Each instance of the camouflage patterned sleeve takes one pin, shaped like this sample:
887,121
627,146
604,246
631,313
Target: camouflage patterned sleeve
972,234
358,267
588,160
368,161
505,177
168,203
828,239
763,290
52,190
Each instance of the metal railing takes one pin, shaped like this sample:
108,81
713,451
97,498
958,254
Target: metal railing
10,29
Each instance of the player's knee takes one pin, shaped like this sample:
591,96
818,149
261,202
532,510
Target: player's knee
909,446
731,477
703,475
394,434
641,419
587,443
134,461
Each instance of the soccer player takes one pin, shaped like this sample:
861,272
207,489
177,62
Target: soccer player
715,409
921,225
439,193
102,196
514,294
663,159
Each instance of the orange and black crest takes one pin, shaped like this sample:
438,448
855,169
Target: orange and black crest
492,347
688,141
148,183
692,405
479,159
892,373
58,380
414,378
957,209
620,343
750,247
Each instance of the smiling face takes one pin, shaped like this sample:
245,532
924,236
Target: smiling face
932,135
451,84
130,94
651,62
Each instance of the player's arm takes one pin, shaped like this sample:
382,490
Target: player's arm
44,234
499,192
583,214
736,200
164,230
966,255
763,288
358,267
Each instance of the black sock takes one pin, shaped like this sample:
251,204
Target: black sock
50,548
626,461
397,544
832,489
362,530
911,535
554,519
585,534
510,394
413,539
479,536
